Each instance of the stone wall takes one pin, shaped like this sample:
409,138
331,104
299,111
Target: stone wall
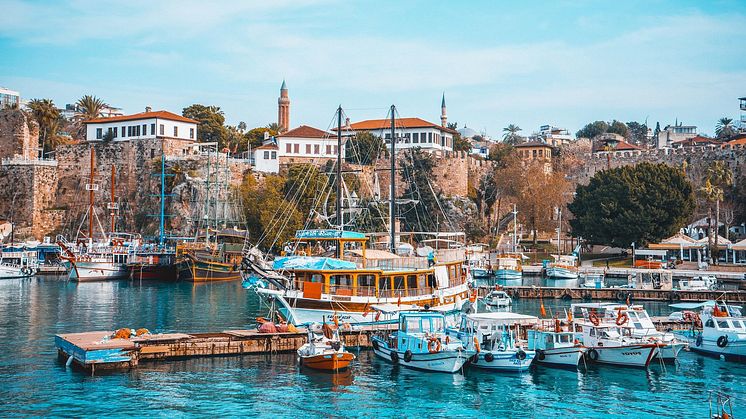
19,135
27,195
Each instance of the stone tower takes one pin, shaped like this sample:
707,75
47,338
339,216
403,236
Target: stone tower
443,116
283,108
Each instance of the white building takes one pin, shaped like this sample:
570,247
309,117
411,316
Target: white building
142,126
9,98
673,133
554,136
306,144
411,133
266,159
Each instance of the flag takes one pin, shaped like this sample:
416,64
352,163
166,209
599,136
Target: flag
398,303
365,310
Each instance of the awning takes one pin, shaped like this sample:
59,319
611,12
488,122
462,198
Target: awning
311,263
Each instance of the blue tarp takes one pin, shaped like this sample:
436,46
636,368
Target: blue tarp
311,263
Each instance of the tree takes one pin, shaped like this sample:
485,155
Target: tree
90,107
241,126
274,126
460,144
637,133
510,134
425,210
724,128
632,204
211,120
270,218
363,148
46,114
500,154
255,136
592,130
618,127
537,195
717,178
452,125
306,186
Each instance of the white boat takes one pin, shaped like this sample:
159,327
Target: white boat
494,338
701,283
497,299
593,280
17,263
719,330
508,267
555,345
98,261
421,343
609,343
564,267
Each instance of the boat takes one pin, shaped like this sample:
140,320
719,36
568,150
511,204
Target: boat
593,280
555,345
494,338
699,283
324,350
421,343
718,330
98,261
212,261
508,267
17,262
153,264
564,267
609,342
497,299
477,261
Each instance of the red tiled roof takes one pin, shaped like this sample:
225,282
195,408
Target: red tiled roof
372,124
739,139
269,146
625,146
143,115
304,131
698,140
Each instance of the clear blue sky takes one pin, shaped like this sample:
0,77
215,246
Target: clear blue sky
559,62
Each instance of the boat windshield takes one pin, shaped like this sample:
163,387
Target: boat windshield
423,324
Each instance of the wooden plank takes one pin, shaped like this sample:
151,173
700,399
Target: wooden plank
154,349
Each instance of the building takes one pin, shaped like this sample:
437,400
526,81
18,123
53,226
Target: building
266,158
283,109
556,137
699,140
443,114
533,151
611,142
9,98
142,126
674,133
306,144
71,110
411,133
742,124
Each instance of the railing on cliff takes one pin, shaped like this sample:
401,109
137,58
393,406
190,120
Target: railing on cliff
20,161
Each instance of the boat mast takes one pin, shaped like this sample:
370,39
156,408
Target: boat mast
340,217
163,199
392,202
515,229
112,207
559,230
206,216
90,197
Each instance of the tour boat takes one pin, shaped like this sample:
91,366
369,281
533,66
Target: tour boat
608,342
17,263
208,260
508,267
477,260
497,299
720,329
421,343
564,267
324,350
494,339
97,261
555,345
153,264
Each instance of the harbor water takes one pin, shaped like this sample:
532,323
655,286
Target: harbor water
33,382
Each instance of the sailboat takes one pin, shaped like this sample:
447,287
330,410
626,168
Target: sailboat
311,287
565,267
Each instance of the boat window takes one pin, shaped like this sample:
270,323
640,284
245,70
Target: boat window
452,272
564,338
317,278
421,281
366,280
431,281
413,325
593,332
710,323
340,280
383,282
412,281
722,324
398,282
436,324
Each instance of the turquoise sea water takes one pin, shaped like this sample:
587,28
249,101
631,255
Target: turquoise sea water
34,383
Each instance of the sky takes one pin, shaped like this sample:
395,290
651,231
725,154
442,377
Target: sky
529,63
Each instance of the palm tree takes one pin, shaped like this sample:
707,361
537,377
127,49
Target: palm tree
90,107
724,128
718,176
47,116
274,127
510,135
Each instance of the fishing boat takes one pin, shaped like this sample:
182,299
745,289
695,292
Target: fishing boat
16,262
153,264
220,260
609,342
564,267
324,350
497,299
421,343
508,267
700,283
477,261
494,338
555,345
718,330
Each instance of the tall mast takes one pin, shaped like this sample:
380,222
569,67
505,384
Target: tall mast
163,199
559,230
112,207
90,196
515,229
392,203
207,200
340,217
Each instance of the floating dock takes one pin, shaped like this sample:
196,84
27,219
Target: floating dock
96,351
620,294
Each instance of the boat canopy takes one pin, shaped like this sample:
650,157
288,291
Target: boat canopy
329,234
503,318
692,306
311,263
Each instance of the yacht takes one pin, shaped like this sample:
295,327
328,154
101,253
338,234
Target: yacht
701,283
719,330
421,343
555,344
494,338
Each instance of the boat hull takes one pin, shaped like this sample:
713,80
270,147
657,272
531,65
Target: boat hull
628,356
735,350
444,361
554,272
336,361
507,361
160,272
196,270
508,275
561,357
12,272
97,271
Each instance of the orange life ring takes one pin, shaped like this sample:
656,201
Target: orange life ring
593,317
622,319
433,345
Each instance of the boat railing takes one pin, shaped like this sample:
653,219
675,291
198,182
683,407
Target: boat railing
349,291
450,255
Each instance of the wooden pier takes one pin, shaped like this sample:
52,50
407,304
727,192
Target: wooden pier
621,294
96,351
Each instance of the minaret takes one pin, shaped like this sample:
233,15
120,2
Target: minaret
283,108
443,116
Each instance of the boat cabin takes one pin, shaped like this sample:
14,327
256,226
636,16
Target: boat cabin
549,339
495,330
416,327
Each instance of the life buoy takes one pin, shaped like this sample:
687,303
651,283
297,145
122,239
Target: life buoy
488,357
26,271
722,341
521,354
621,296
592,354
394,357
622,319
587,296
698,341
593,317
473,296
433,345
540,355
408,356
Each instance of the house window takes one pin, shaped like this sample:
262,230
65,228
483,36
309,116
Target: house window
336,150
308,148
328,149
191,133
123,131
144,129
316,149
296,148
288,148
152,129
430,137
274,155
99,133
176,131
388,136
541,153
115,131
137,129
162,129
534,154
416,138
266,155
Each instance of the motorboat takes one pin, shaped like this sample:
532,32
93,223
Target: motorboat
555,344
593,280
421,343
494,339
98,261
719,329
564,267
508,267
700,283
17,263
324,349
497,299
609,342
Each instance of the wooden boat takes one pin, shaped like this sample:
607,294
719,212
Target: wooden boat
212,261
158,265
324,350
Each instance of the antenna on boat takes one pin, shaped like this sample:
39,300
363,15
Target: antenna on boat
392,201
515,229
